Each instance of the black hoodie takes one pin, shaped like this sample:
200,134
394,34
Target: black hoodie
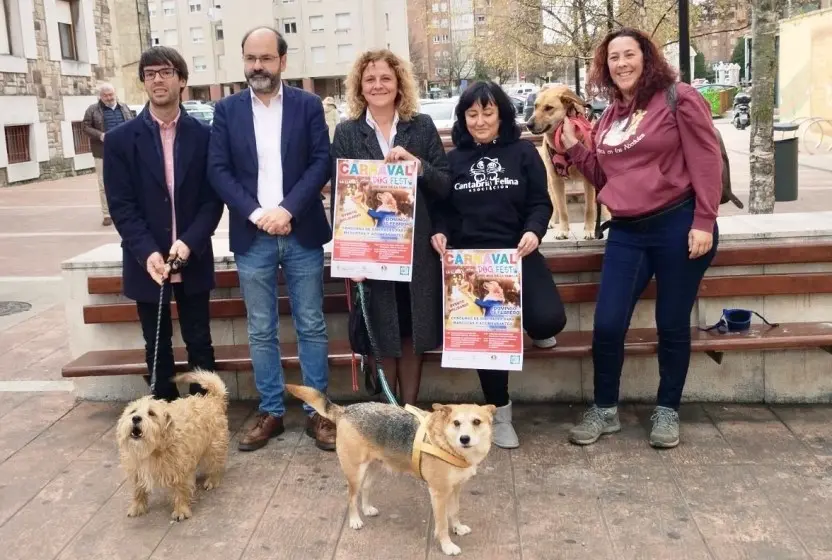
499,192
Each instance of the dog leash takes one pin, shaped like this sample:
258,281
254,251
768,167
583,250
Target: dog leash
385,388
176,264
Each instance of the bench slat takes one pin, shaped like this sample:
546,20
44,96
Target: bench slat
571,344
781,253
228,358
578,292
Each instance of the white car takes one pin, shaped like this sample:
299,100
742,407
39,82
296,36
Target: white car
442,111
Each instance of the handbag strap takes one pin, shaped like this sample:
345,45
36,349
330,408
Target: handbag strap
362,300
721,326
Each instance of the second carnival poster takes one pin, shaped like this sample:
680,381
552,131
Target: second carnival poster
375,208
483,320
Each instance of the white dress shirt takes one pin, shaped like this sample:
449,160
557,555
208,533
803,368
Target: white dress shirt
268,123
383,144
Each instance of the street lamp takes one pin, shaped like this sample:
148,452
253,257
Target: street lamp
684,41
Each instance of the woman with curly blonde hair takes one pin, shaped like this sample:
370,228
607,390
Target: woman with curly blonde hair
384,124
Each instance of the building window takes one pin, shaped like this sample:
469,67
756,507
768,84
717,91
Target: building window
195,6
171,37
151,8
199,64
345,53
319,55
387,20
220,62
288,1
316,24
154,38
218,34
67,15
290,26
17,143
435,8
480,19
79,139
197,35
342,22
169,7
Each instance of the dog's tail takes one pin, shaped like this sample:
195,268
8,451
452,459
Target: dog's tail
316,400
209,381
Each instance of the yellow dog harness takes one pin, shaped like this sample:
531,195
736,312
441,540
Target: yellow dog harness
422,444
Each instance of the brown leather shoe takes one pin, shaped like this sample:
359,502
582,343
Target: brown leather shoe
267,427
322,431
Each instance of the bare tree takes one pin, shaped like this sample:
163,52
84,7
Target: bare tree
763,67
456,63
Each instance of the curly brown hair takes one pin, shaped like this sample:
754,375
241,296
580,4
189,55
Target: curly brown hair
656,75
407,100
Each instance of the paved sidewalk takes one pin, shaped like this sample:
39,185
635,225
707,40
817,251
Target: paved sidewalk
746,482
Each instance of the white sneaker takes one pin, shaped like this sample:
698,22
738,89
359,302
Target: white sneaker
550,342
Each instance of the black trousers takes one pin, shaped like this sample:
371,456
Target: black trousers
543,317
195,326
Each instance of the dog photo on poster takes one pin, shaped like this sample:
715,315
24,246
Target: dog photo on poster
375,209
483,322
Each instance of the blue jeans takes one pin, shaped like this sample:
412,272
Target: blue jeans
635,252
303,269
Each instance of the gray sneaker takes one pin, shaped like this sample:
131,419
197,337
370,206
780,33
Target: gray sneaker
665,432
596,422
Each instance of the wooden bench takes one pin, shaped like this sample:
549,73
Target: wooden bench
571,344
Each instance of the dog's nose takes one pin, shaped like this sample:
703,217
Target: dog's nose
137,419
464,440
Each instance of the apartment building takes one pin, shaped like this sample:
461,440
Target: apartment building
442,38
324,37
53,54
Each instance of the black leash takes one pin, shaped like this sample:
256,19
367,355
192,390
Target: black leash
385,388
176,265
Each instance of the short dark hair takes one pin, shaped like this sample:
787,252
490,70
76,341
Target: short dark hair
160,55
485,92
282,45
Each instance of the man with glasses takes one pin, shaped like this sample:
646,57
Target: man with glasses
164,209
269,161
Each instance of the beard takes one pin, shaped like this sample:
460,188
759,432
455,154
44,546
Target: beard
262,81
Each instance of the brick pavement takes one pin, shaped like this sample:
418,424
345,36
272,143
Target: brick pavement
747,482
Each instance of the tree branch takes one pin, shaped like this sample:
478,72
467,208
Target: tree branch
698,35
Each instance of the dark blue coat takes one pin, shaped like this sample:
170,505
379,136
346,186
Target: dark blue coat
233,166
134,179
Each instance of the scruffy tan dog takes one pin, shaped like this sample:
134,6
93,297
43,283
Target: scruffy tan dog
161,443
442,447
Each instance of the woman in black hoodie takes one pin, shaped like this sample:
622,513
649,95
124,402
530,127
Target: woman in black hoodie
500,200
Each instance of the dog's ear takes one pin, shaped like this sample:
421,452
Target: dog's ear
574,104
168,425
445,409
490,408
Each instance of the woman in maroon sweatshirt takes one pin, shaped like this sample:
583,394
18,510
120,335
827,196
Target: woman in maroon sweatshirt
659,173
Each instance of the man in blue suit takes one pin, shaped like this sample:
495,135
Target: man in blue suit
163,206
269,161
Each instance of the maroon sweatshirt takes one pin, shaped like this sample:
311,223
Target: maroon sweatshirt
647,159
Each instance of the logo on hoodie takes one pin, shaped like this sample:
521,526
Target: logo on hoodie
487,174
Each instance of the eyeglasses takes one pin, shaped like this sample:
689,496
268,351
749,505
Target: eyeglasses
150,75
251,60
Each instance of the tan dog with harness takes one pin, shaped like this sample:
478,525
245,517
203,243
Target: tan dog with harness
443,448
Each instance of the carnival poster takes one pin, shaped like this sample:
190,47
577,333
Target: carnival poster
483,319
375,208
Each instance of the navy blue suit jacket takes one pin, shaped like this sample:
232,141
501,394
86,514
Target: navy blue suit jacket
233,165
139,200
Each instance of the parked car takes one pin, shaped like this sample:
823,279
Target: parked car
442,111
204,113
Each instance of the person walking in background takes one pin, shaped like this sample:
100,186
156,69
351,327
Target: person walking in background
384,125
269,161
331,112
512,208
99,118
163,206
659,172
